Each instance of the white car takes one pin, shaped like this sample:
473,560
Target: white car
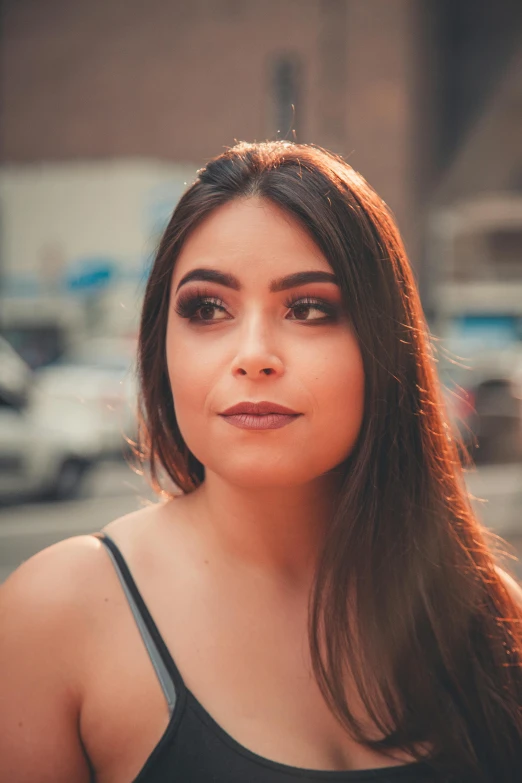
93,387
41,454
484,399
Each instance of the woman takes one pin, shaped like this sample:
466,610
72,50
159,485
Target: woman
325,605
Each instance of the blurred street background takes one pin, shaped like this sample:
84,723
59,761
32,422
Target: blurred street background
108,110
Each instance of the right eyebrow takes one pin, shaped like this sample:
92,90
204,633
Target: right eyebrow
280,284
210,276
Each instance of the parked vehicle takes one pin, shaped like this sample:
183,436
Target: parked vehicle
41,455
475,296
94,382
484,399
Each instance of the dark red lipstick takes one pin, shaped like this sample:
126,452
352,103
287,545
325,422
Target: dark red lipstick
259,415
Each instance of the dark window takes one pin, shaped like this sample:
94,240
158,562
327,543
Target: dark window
12,400
38,345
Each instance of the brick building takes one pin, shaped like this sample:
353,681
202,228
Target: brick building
393,85
179,80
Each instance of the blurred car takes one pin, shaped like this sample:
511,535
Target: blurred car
39,456
484,400
94,383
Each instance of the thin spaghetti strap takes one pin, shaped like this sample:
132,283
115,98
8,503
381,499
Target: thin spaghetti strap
147,627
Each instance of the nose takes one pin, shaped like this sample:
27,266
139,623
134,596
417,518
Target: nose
256,353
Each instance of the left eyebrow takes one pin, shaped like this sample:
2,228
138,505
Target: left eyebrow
280,284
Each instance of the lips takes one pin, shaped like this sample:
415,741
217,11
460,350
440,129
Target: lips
259,415
258,409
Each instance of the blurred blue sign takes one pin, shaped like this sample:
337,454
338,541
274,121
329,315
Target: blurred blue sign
485,331
90,274
506,327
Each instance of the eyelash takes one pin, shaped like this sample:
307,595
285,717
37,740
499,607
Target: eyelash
188,304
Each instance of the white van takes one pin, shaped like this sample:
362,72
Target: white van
42,453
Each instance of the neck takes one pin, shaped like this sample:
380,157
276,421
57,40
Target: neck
276,530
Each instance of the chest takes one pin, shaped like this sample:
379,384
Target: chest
248,667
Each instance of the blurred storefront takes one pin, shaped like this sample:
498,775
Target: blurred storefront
104,122
78,238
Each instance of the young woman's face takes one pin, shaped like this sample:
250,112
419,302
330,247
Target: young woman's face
243,328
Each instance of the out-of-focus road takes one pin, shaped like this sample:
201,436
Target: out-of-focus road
110,491
113,490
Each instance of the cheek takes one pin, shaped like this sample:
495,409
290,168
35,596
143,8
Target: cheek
194,371
337,385
190,375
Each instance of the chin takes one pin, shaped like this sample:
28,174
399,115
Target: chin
266,473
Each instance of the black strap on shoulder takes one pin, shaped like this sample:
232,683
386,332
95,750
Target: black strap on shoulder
149,631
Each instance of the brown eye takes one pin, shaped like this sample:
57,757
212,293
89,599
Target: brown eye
301,312
309,310
199,308
208,310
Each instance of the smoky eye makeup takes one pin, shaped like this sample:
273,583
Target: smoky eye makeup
190,301
201,306
331,310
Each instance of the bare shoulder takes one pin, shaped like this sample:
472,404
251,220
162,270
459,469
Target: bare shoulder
46,605
54,610
53,580
60,555
59,581
512,586
64,578
41,635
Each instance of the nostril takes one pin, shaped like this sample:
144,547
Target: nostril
265,370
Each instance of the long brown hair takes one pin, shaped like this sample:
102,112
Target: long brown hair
407,598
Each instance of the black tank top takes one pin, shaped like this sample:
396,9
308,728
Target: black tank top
195,749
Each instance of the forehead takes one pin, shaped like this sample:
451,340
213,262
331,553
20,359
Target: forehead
250,237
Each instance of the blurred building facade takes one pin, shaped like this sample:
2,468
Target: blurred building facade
110,107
